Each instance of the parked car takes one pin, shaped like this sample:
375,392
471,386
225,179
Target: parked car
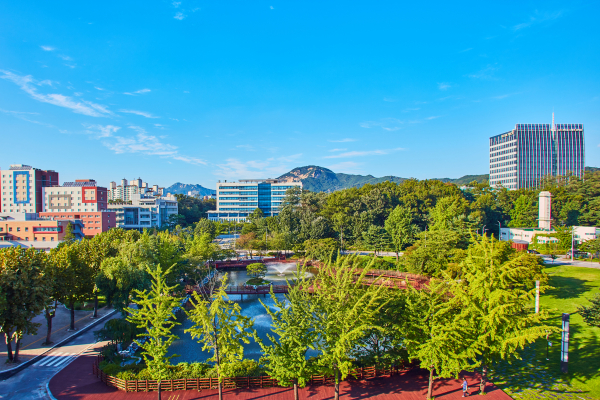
533,252
578,253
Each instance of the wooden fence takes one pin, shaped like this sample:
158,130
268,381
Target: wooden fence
248,382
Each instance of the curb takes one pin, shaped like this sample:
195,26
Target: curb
48,391
7,374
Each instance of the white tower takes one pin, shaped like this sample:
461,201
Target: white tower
545,214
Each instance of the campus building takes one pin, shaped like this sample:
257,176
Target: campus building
520,158
82,200
525,235
28,227
143,212
127,189
236,200
22,187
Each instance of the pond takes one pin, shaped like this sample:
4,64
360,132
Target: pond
191,351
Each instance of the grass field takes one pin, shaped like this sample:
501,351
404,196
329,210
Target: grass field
536,378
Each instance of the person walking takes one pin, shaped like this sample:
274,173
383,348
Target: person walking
465,387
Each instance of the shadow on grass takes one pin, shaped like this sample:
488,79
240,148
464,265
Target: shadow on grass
567,287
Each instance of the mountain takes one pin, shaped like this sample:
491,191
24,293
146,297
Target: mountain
465,180
184,188
319,179
592,169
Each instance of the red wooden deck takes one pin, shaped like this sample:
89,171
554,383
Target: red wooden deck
76,382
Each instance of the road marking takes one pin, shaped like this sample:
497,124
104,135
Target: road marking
63,361
46,359
58,360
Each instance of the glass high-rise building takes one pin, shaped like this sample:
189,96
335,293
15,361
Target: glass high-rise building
522,157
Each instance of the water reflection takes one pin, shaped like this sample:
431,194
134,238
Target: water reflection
191,351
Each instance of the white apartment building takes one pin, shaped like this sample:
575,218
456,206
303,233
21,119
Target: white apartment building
236,200
127,189
143,212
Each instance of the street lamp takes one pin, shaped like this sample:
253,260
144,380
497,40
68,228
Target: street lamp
499,231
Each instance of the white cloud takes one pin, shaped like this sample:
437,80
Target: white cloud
140,143
142,113
176,4
387,124
433,117
141,91
485,73
256,169
382,152
102,131
465,50
346,140
179,16
248,147
80,107
47,48
334,150
538,18
25,116
411,109
504,96
65,58
348,167
99,88
272,8
444,86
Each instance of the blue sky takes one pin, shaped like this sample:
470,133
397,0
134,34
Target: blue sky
197,91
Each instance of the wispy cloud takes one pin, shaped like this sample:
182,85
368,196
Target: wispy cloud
465,50
538,18
140,142
26,83
142,113
387,124
141,91
382,152
433,117
26,116
182,11
390,99
47,48
411,109
248,147
255,169
334,150
348,167
485,73
179,15
444,86
272,8
65,58
346,140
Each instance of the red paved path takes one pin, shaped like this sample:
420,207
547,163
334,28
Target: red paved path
76,382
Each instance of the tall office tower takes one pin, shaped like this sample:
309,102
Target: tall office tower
22,188
522,157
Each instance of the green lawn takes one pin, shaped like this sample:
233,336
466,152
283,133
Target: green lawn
534,377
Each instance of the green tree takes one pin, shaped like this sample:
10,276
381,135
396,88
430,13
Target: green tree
345,308
376,238
25,293
321,249
292,325
69,235
438,334
523,214
201,249
434,252
591,246
497,288
399,225
154,312
220,326
257,270
591,314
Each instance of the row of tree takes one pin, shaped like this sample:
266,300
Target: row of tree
339,320
110,266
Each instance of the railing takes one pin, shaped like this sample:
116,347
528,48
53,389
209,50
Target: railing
146,385
242,289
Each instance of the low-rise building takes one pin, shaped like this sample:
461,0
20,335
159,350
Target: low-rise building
29,227
236,200
83,200
143,212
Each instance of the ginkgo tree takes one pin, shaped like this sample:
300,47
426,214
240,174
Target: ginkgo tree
219,324
292,324
155,313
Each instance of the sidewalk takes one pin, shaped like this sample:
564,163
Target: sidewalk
32,345
76,381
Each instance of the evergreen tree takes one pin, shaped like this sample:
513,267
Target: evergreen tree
591,314
154,312
69,235
220,326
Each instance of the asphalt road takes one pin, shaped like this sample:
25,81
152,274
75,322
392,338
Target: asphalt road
31,383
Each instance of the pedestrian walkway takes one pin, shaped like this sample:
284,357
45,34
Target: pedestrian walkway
76,382
33,345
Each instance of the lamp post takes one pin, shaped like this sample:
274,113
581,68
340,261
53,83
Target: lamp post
499,231
483,230
572,242
564,346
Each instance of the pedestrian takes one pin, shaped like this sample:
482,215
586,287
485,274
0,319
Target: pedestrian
465,387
